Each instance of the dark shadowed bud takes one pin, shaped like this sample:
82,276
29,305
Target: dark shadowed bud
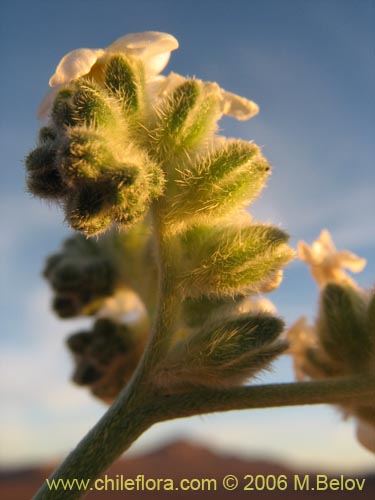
105,357
342,328
81,277
43,176
47,135
63,110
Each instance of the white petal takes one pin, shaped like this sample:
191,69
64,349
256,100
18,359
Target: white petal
325,242
152,47
351,261
46,104
156,63
168,84
238,107
75,64
304,252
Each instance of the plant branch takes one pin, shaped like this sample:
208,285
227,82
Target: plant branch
343,391
131,414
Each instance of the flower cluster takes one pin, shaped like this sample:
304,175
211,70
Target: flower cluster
127,147
95,156
342,341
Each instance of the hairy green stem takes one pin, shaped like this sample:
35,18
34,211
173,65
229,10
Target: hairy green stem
124,423
130,415
344,391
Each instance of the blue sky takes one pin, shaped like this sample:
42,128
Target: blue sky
309,64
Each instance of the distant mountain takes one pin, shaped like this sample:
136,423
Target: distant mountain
185,461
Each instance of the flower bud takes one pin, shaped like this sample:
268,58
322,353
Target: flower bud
43,176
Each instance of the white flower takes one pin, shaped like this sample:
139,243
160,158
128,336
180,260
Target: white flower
326,263
152,47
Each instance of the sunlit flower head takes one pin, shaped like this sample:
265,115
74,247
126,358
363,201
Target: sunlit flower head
152,47
326,263
154,50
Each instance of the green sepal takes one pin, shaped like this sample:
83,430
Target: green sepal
342,327
84,155
218,183
230,260
185,118
227,340
124,79
227,352
91,108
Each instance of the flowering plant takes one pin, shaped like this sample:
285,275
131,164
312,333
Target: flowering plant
134,159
